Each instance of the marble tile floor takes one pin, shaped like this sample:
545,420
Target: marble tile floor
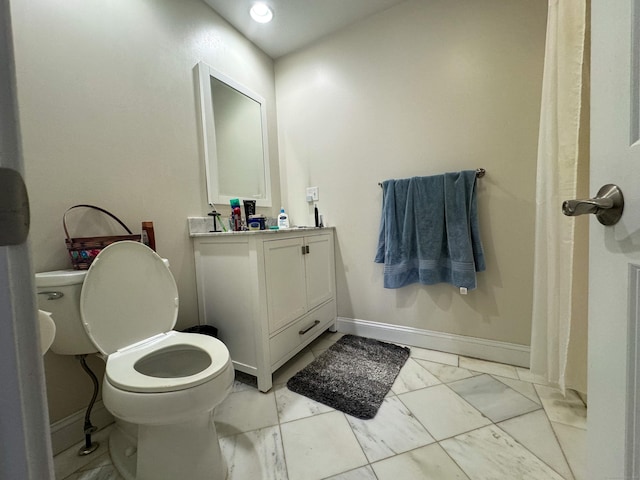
446,417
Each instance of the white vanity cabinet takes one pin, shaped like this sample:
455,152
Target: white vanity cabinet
269,293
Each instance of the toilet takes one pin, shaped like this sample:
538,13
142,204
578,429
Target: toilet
160,385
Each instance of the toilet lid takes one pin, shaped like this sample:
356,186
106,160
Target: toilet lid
128,295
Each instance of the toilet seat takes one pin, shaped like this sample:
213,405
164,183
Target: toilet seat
129,306
128,296
122,373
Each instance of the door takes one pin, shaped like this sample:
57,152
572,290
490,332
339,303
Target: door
285,283
319,269
24,428
612,438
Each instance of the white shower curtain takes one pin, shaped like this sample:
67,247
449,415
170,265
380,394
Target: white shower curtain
560,177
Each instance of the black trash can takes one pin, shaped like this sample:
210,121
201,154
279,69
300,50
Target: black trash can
203,329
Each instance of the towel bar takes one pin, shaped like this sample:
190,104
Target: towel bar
480,172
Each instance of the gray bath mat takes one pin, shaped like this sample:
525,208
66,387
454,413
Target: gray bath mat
352,376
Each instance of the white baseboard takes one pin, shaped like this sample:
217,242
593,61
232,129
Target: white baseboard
69,431
492,350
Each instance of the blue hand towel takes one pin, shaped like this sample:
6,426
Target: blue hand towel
429,231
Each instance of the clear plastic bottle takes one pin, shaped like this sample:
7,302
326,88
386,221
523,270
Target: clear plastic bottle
283,219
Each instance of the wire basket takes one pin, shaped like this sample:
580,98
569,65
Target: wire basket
84,250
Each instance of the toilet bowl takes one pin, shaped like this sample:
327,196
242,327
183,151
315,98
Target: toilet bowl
160,385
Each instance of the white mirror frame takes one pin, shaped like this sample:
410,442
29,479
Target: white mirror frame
208,135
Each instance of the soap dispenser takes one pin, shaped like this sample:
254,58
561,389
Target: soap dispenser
283,219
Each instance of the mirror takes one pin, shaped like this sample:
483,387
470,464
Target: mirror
234,139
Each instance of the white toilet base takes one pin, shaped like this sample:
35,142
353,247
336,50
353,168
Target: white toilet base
188,450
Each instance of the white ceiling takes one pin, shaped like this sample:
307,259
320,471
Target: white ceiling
296,23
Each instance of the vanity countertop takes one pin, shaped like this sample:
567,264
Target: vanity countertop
201,227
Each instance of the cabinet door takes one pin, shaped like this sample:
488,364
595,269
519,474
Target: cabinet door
226,275
320,269
285,281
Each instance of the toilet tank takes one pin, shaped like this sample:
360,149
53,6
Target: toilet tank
59,293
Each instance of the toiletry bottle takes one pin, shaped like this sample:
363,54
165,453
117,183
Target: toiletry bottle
283,219
237,219
148,235
236,216
249,209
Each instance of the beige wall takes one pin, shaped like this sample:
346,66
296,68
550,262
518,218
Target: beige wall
423,88
107,105
107,111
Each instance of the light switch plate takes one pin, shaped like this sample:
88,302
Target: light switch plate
312,194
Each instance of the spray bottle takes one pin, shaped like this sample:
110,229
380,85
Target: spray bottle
236,216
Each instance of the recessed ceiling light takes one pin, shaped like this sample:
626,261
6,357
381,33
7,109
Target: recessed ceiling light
261,12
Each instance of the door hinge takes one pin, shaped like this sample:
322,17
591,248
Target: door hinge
14,208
